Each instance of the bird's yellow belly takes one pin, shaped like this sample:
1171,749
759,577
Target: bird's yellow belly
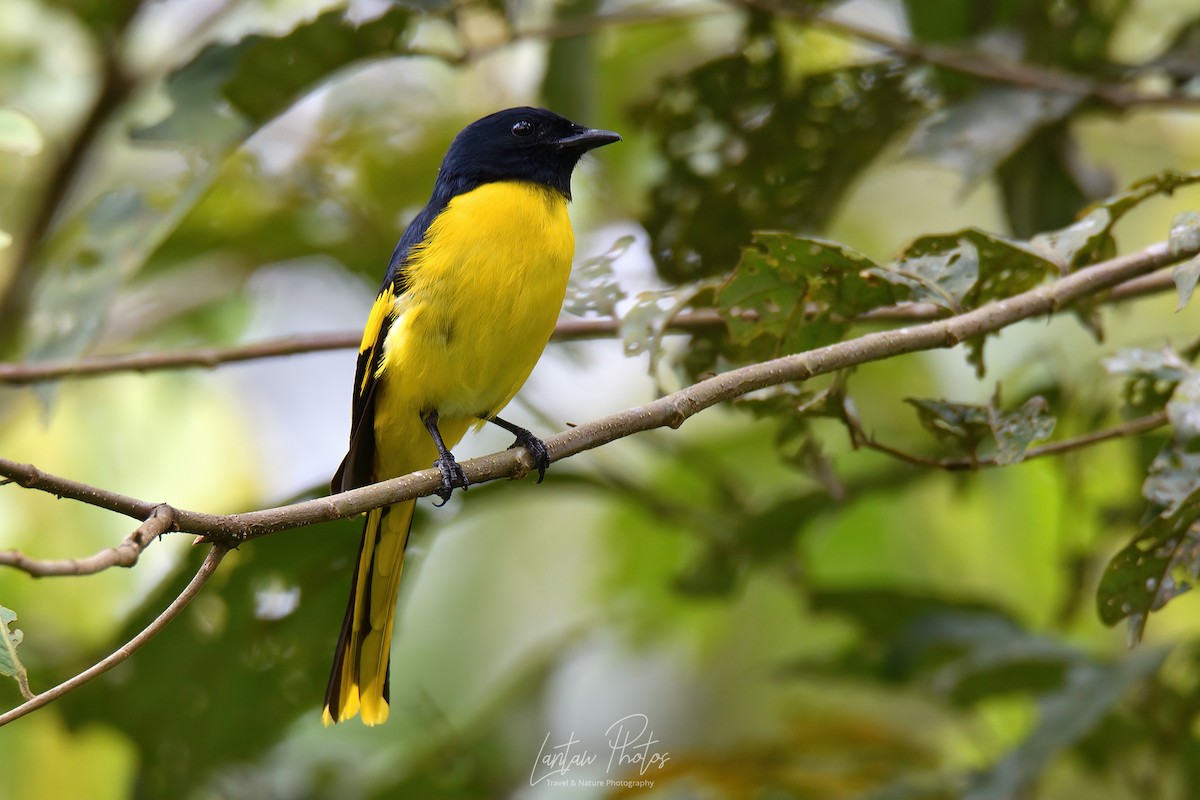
482,298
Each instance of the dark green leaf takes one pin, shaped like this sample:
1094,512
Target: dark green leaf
1090,692
1160,563
272,71
966,424
970,425
964,270
790,294
261,75
245,660
751,147
107,18
1043,184
975,136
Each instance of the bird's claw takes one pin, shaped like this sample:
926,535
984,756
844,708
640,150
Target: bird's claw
537,449
453,477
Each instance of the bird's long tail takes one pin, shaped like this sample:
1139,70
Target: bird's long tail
360,665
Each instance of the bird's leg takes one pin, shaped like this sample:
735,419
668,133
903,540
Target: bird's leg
453,476
535,446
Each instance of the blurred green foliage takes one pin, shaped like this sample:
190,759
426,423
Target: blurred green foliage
814,592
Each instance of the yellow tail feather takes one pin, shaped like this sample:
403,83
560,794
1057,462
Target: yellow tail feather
360,665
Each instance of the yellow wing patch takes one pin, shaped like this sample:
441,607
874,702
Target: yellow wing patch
370,340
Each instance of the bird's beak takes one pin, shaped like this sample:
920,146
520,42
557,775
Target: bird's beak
588,139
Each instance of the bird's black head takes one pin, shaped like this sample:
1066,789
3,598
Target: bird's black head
519,144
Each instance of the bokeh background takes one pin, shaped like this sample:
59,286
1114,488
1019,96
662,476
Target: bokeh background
789,615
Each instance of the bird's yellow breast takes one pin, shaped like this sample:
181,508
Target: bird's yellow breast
483,292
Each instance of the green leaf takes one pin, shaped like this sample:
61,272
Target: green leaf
105,17
966,424
970,425
961,271
645,323
260,76
749,146
1172,476
1153,376
790,294
1183,409
1090,692
1082,242
975,136
1185,238
246,659
1016,431
1159,564
594,288
10,662
1044,182
1185,276
272,71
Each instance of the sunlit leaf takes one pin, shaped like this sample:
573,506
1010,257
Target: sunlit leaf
790,294
10,662
644,324
594,288
19,134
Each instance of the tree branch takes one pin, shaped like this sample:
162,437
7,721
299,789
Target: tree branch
669,411
978,64
20,374
126,554
132,646
1131,428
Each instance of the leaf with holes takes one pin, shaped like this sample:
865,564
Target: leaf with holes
645,323
1152,376
749,145
964,423
1016,431
962,271
790,294
594,288
1159,564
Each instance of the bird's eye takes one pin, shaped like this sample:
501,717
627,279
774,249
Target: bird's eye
522,127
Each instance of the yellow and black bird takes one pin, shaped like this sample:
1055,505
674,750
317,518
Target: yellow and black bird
469,301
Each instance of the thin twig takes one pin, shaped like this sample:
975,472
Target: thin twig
132,646
19,374
980,65
1131,428
126,554
669,411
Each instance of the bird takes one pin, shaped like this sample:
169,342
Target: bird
468,303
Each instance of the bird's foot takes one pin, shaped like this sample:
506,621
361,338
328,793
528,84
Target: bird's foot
536,448
453,477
